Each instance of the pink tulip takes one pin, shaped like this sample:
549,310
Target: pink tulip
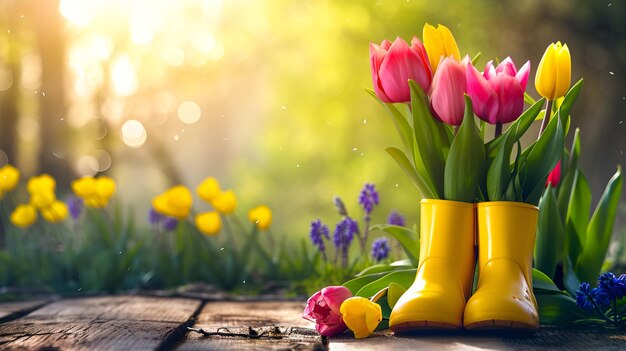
555,176
498,93
394,64
323,309
447,89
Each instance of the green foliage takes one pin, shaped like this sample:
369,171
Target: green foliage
466,161
408,239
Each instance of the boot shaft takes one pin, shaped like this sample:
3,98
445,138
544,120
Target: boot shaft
506,230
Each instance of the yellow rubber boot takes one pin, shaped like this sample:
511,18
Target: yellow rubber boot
443,283
504,298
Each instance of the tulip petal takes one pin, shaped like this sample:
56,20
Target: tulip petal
510,97
484,98
545,78
433,44
522,75
399,65
447,89
563,71
507,67
377,54
490,71
334,296
449,44
310,306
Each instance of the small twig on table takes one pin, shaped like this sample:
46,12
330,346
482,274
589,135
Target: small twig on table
223,331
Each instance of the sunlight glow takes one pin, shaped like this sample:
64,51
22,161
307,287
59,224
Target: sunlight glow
123,77
189,112
133,133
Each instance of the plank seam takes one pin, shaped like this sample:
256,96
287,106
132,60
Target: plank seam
179,333
21,313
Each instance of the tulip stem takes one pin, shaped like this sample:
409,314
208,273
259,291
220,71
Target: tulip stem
546,118
455,129
498,130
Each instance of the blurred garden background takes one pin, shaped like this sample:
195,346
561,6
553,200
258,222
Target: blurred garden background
267,95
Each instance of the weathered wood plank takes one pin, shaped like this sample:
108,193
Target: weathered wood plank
258,325
102,323
546,338
13,310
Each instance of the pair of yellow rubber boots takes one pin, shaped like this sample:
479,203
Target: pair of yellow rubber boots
441,297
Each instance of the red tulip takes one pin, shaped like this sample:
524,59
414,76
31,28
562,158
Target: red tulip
447,89
323,309
498,94
555,176
394,64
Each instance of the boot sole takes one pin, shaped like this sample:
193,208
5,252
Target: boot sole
412,326
499,324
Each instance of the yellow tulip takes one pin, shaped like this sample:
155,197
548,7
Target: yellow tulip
57,212
361,315
554,72
42,198
40,183
95,192
208,189
175,202
225,202
209,223
9,177
261,216
439,43
23,216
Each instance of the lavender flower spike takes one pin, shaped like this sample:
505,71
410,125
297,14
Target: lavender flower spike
368,198
395,218
380,249
317,233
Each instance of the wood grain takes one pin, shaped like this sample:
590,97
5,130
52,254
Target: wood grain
14,310
258,325
102,323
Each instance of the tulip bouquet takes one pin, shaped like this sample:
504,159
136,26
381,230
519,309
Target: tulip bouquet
433,97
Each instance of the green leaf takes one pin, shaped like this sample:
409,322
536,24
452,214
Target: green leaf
528,99
407,238
404,163
541,159
354,285
476,58
427,138
556,309
394,293
570,280
599,230
570,98
516,129
380,268
402,125
404,277
466,161
499,172
543,282
577,217
549,241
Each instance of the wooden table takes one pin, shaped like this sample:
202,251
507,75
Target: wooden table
133,322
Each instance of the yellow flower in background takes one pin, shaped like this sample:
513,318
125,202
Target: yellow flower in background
55,213
95,192
209,223
361,315
554,72
261,216
9,177
174,202
439,43
208,189
225,202
42,198
23,216
41,183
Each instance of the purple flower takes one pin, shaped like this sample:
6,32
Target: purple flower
395,218
368,198
380,249
344,233
611,286
75,206
317,233
588,298
154,218
170,223
341,208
